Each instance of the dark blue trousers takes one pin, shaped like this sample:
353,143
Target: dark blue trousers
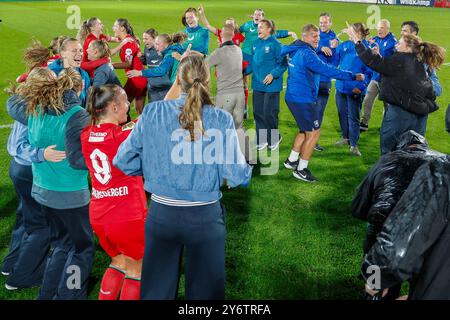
397,121
199,231
31,235
322,99
349,108
266,107
70,263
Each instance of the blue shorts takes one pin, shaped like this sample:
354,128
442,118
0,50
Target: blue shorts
307,115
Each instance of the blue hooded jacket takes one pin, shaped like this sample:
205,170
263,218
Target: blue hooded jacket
167,67
267,60
57,66
346,58
305,68
325,41
387,48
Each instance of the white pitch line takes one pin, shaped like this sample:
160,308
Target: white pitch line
6,126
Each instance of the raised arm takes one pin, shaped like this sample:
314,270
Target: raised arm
205,21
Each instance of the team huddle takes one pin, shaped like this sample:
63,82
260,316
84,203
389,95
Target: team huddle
72,121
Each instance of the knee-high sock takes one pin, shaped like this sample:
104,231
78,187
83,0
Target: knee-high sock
131,289
111,283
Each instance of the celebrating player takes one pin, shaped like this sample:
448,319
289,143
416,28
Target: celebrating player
118,205
136,87
103,74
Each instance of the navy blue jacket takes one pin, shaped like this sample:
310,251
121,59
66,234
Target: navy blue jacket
105,74
305,68
347,59
387,48
325,41
165,70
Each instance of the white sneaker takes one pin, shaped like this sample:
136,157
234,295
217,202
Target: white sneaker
5,273
275,146
355,151
261,146
342,142
10,288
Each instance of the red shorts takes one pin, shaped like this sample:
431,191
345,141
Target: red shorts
125,238
136,87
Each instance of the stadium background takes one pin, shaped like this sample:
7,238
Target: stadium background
286,239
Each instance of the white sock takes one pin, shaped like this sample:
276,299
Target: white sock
293,156
302,164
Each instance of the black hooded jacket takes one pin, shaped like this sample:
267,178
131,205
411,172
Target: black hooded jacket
405,82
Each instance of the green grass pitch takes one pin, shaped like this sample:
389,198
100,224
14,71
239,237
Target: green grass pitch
286,239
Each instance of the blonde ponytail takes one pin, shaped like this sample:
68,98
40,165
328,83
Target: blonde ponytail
194,77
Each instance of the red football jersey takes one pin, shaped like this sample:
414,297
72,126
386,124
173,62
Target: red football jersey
129,53
116,197
238,37
88,40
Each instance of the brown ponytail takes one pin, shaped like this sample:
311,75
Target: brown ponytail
179,37
431,54
44,91
194,79
99,98
426,52
361,29
36,55
85,29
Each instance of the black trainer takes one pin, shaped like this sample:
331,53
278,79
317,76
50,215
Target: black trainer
363,127
304,175
318,147
290,164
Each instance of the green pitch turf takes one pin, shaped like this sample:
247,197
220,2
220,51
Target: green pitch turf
286,239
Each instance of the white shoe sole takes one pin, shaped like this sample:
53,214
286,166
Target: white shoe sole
289,167
301,178
5,273
10,288
275,147
260,148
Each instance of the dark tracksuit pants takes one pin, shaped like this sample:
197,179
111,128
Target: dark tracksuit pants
322,99
349,108
200,231
70,263
266,107
30,241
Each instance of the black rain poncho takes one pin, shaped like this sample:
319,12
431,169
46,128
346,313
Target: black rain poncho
414,243
386,182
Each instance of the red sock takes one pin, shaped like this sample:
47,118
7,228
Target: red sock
246,98
131,289
111,284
